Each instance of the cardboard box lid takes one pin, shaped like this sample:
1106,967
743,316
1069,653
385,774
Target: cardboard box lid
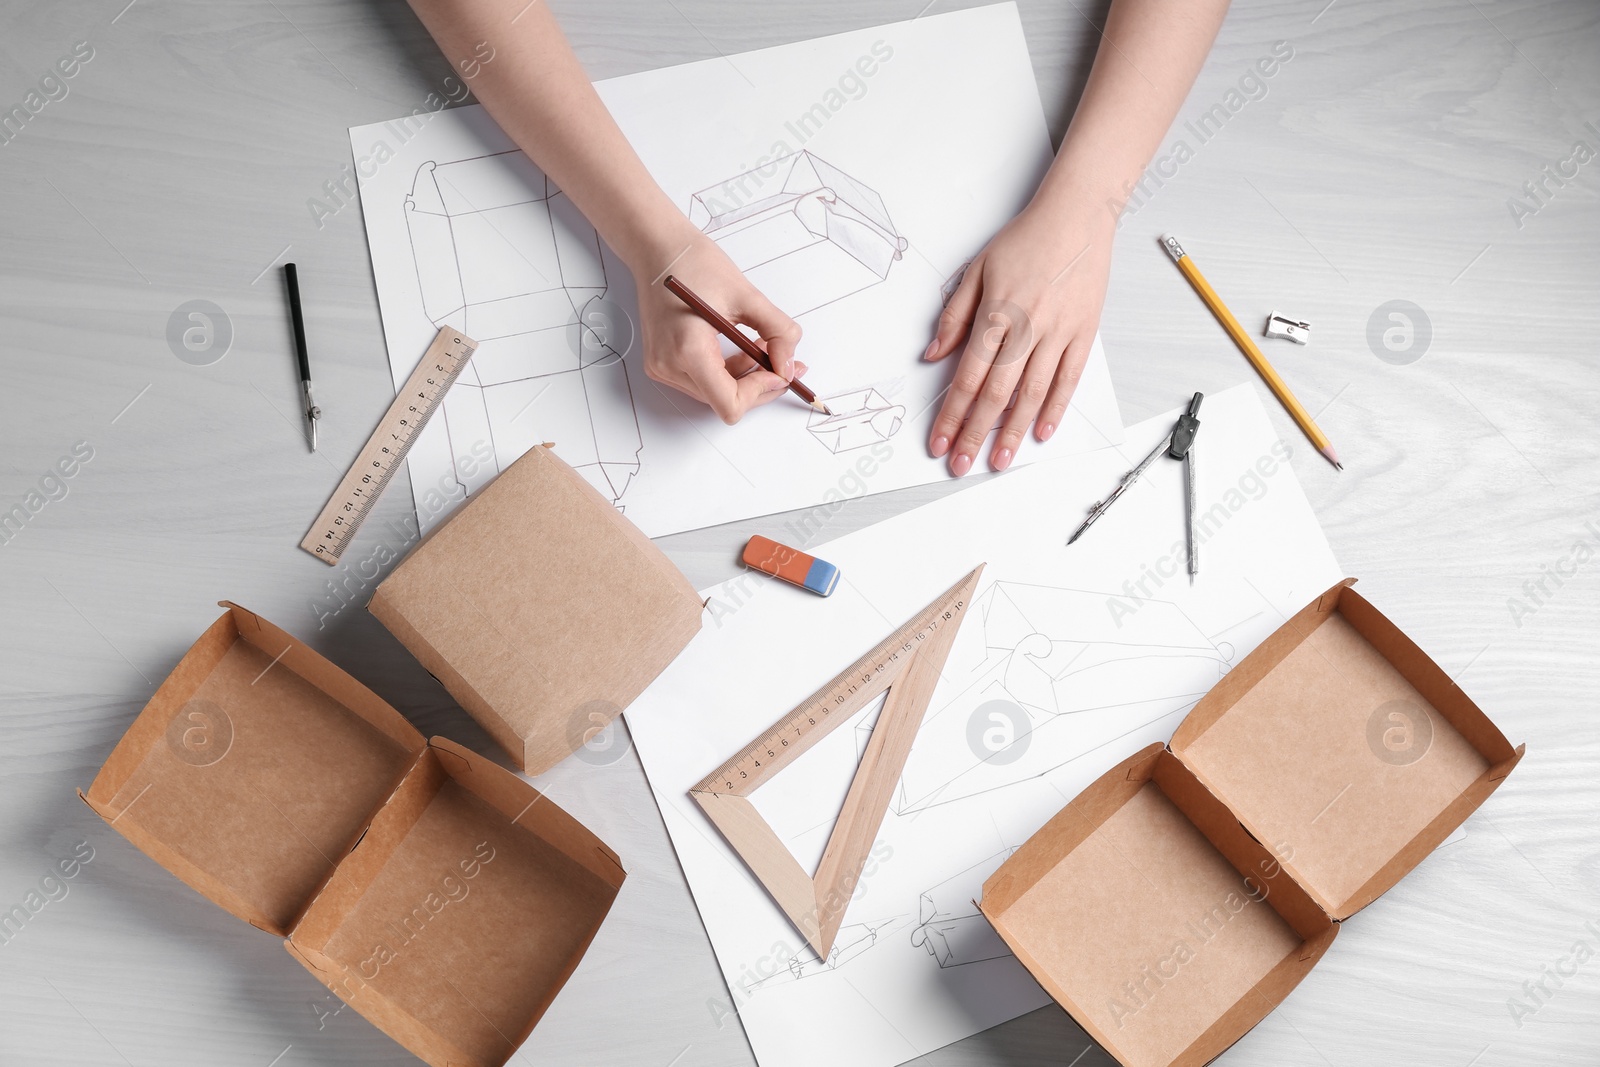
462,912
1347,747
540,608
253,769
1148,913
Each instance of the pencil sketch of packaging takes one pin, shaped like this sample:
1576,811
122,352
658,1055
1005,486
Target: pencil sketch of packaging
503,256
1068,689
860,418
853,940
804,232
949,926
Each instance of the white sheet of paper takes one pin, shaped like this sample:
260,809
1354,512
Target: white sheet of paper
1069,660
850,177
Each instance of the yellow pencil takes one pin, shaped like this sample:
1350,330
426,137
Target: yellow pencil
1247,345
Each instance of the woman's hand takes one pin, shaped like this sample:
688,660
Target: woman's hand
683,350
1028,308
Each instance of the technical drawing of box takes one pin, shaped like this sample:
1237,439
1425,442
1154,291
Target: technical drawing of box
501,252
1180,897
860,418
804,232
504,256
439,895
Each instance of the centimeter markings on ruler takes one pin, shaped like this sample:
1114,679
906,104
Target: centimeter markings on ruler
784,740
386,449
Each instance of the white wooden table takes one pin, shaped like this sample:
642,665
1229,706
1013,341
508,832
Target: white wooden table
1377,167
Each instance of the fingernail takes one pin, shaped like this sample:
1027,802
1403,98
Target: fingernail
961,464
927,353
800,369
939,446
1002,459
1045,430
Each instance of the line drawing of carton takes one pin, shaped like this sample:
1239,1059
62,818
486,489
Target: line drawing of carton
816,236
950,927
505,257
860,418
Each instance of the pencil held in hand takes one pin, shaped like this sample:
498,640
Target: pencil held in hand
737,336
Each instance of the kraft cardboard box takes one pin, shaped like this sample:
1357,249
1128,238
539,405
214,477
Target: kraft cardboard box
439,895
1181,896
540,608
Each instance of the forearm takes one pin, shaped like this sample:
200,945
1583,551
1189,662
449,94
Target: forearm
539,94
1149,55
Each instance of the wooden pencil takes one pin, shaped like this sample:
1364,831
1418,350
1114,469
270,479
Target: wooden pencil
1247,345
733,333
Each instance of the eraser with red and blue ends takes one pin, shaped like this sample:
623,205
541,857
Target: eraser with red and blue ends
791,565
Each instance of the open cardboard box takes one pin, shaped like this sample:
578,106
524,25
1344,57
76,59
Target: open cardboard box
540,608
439,895
1181,896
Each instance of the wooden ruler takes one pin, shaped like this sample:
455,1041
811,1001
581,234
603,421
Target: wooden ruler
386,449
813,720
906,665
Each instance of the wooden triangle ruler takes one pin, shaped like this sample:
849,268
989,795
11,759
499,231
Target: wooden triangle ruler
907,664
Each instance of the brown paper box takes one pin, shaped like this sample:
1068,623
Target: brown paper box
439,895
540,608
1149,907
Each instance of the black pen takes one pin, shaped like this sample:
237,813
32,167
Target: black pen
313,413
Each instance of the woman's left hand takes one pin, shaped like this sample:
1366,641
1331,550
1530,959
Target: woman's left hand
1028,307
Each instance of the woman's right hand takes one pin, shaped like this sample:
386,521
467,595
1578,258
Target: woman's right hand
683,351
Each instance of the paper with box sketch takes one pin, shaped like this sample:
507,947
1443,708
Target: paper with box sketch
823,169
1070,659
